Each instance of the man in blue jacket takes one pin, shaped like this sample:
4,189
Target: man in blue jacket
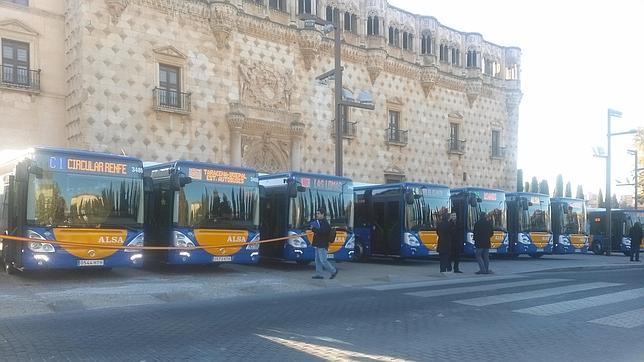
321,235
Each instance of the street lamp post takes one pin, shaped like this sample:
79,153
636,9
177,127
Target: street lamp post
636,170
336,73
609,198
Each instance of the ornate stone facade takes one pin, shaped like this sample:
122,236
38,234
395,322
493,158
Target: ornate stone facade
246,73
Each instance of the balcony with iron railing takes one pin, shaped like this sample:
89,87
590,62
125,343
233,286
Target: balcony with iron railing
349,129
497,152
456,146
172,101
20,78
395,136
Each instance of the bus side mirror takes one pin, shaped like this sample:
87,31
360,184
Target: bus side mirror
147,184
36,171
178,181
292,188
409,196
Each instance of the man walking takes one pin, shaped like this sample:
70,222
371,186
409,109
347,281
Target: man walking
446,232
321,235
483,231
635,234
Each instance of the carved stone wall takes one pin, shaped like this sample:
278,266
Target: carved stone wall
254,98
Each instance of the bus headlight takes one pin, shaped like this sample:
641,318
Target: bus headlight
180,240
255,240
524,239
138,241
411,239
626,241
563,240
351,243
39,247
296,241
470,238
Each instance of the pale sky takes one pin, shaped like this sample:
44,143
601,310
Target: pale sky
578,59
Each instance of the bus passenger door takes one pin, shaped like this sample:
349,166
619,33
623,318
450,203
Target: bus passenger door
394,235
378,233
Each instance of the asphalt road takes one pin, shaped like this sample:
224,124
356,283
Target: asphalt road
564,315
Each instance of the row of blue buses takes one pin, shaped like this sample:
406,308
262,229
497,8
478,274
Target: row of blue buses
87,209
400,220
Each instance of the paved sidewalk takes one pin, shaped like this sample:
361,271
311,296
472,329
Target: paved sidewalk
60,291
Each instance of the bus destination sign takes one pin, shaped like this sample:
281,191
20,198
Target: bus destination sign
80,164
221,176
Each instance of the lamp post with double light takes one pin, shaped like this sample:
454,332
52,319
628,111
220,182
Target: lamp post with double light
364,101
610,114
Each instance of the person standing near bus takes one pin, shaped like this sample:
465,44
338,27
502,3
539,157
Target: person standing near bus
457,244
635,234
446,231
321,235
483,231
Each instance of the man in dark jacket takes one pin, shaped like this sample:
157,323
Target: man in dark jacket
446,231
457,244
483,231
635,234
321,235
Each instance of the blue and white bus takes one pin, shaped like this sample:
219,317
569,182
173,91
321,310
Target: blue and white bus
399,220
622,220
529,228
468,204
569,226
78,207
202,207
288,204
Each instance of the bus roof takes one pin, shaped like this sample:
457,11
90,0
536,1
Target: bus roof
84,153
300,174
561,199
526,194
178,163
400,184
474,188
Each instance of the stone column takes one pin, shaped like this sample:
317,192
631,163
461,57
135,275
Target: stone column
297,132
236,121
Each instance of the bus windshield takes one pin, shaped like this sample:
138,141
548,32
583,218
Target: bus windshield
425,212
59,199
494,208
338,206
215,205
574,222
536,217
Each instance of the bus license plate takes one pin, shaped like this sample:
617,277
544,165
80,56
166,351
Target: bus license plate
330,256
91,263
539,249
222,258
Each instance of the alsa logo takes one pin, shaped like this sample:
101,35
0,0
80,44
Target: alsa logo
236,239
110,240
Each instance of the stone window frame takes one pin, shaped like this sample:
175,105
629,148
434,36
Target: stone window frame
396,105
456,146
171,56
426,42
373,25
15,30
497,127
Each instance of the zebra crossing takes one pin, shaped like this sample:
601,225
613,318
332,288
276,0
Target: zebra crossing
498,291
